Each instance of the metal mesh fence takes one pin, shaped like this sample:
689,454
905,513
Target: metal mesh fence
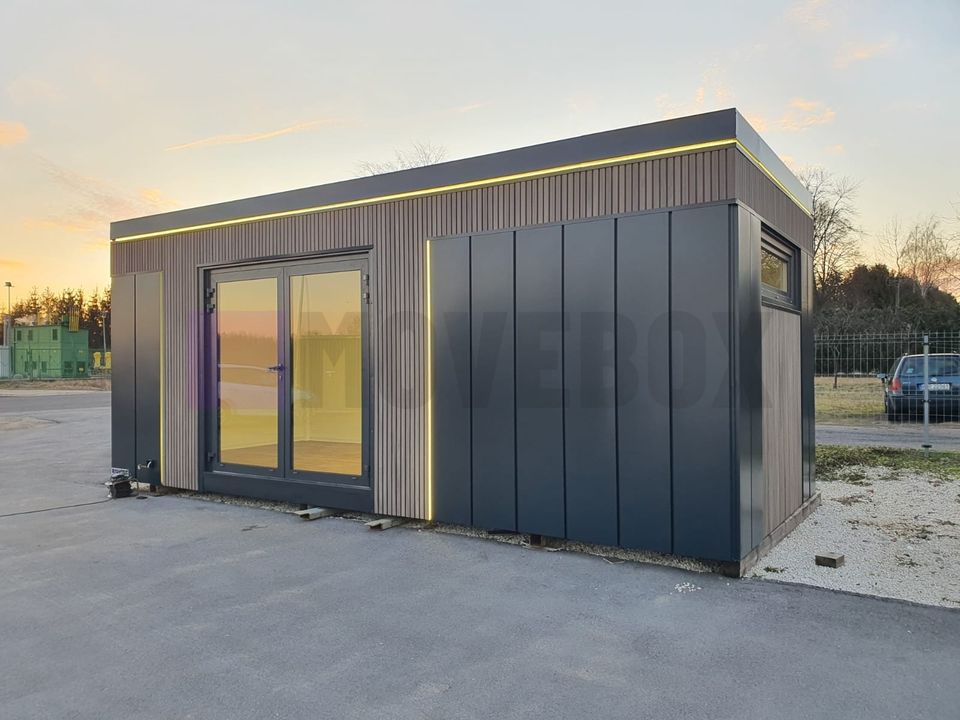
872,353
847,391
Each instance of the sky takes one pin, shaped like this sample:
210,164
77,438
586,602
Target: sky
111,110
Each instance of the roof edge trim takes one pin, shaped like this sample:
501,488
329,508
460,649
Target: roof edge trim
513,177
647,154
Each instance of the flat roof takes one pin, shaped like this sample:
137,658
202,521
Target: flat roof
708,130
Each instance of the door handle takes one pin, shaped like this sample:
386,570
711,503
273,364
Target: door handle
275,368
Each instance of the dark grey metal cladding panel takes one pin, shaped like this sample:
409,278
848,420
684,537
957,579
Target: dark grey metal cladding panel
808,443
643,380
492,386
539,382
747,359
700,385
149,293
450,315
589,367
124,382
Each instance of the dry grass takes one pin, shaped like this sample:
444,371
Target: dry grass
855,401
98,383
848,464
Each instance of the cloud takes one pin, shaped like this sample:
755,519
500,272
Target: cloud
470,107
858,53
239,139
802,114
711,93
157,199
757,122
8,264
93,203
837,149
12,133
809,13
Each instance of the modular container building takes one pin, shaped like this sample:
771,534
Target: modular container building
605,339
50,351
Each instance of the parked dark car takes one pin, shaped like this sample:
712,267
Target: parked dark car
903,393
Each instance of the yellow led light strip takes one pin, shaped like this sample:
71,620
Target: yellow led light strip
429,371
756,161
163,401
471,184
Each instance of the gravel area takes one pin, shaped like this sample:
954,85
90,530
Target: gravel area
898,530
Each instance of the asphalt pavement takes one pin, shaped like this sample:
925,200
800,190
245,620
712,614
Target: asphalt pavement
13,401
898,434
169,607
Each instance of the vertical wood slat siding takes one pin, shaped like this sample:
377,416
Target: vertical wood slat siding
396,231
755,189
782,461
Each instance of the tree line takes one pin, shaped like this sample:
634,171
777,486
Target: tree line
913,291
50,308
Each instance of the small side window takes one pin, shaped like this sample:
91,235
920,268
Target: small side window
775,271
55,333
778,271
29,335
19,335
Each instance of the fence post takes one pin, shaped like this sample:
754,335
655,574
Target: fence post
926,393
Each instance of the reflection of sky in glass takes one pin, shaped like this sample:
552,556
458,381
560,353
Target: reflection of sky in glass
325,304
248,307
247,329
326,361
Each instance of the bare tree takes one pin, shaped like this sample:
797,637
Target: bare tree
419,155
893,243
931,258
836,239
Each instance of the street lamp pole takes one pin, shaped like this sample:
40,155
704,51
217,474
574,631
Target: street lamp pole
103,332
8,285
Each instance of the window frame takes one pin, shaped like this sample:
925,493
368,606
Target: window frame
789,254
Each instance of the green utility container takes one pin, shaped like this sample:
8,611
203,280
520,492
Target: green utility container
51,351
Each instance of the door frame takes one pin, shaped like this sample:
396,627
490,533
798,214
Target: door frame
283,484
317,267
210,376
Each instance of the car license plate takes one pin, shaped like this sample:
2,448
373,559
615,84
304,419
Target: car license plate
937,386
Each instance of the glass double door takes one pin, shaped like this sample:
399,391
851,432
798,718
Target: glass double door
288,372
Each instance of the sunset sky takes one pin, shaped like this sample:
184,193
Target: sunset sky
110,110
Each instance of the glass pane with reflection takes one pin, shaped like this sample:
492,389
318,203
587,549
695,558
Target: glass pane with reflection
774,271
327,375
247,334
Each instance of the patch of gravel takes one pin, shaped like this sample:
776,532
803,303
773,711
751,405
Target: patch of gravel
898,530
